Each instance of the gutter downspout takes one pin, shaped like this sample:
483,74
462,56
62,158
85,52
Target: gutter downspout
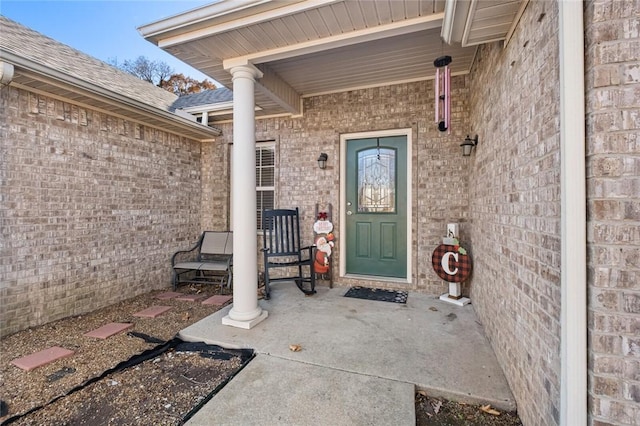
573,315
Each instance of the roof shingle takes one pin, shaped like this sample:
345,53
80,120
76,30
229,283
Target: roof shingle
42,50
206,97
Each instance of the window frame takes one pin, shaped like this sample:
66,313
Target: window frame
269,144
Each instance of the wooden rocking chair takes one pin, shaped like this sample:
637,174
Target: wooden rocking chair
281,248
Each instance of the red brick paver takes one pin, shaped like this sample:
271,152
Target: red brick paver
217,300
109,330
152,312
43,357
191,297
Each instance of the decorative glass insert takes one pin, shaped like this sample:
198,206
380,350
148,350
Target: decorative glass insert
377,180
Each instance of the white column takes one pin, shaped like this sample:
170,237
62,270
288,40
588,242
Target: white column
573,341
245,312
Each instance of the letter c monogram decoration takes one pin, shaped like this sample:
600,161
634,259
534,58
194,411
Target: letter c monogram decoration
451,265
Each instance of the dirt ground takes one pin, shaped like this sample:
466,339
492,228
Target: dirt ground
144,376
440,412
166,387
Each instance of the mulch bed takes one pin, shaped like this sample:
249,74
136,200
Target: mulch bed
431,411
76,390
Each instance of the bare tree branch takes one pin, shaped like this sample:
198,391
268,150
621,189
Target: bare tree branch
162,75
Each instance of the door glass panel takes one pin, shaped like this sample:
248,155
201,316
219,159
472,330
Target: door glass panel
377,180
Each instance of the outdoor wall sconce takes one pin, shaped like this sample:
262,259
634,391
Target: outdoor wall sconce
322,161
468,145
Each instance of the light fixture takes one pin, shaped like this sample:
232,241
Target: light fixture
322,161
468,145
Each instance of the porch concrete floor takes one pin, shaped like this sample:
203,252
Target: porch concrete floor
360,362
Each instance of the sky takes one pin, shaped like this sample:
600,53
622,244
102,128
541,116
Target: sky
104,29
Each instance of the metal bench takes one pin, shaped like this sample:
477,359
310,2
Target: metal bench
209,261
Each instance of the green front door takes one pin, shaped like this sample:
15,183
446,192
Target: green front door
376,204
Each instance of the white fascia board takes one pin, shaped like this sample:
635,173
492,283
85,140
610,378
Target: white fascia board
211,11
468,22
339,40
208,107
184,114
213,109
456,13
483,41
171,27
229,111
101,92
523,6
447,22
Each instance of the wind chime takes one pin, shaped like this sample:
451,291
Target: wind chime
443,92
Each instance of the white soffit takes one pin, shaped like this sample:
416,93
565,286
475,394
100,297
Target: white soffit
220,17
312,46
474,22
274,30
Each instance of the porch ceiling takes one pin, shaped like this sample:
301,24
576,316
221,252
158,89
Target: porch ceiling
311,47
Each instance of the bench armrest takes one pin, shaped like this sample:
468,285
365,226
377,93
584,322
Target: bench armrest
183,252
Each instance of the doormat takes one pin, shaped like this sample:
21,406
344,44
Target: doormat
377,294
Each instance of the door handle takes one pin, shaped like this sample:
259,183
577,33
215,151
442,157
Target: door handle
349,212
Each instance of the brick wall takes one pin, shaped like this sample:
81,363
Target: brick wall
440,173
515,208
216,203
612,58
92,208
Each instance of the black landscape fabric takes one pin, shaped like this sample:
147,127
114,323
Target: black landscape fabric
377,294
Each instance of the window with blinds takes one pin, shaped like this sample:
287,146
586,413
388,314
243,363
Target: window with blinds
265,178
